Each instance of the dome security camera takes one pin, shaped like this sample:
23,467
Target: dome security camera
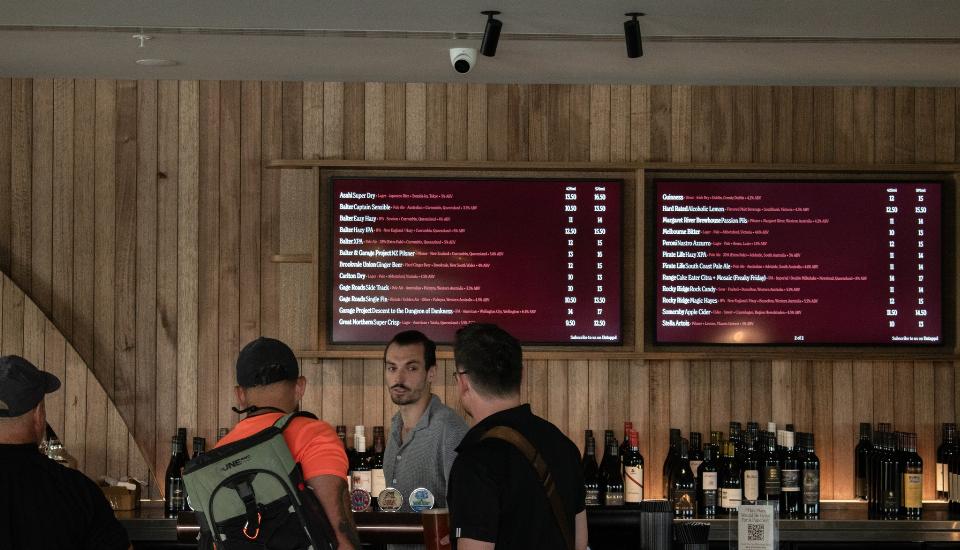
463,59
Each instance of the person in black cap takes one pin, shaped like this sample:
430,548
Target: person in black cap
269,385
44,504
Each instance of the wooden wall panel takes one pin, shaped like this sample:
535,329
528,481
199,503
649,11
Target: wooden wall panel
138,216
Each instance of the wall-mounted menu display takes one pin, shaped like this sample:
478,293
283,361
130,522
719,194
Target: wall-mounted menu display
798,262
541,258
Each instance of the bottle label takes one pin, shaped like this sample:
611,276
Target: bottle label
912,490
684,502
378,481
751,485
941,468
613,498
362,479
771,481
694,466
592,497
633,484
790,481
811,486
730,498
709,481
710,498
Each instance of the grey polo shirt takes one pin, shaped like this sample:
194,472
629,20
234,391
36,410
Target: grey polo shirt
426,455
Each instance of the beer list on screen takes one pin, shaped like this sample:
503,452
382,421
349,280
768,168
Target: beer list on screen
798,262
541,258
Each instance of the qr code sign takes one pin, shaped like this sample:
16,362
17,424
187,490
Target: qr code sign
755,532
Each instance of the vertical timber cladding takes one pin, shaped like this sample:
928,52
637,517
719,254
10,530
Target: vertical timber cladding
148,318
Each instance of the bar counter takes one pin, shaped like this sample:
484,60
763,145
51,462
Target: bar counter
842,523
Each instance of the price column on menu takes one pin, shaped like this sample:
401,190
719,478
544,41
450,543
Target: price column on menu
599,237
907,249
920,211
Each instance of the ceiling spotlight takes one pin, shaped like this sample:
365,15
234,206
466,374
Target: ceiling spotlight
491,34
631,32
157,62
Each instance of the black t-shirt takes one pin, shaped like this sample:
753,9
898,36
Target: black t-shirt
494,493
44,505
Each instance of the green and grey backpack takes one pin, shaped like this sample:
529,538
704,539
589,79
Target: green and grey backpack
250,494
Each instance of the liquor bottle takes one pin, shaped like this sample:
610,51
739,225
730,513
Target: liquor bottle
360,475
175,494
683,487
861,457
611,482
750,469
591,473
672,453
378,481
912,468
944,453
730,481
770,470
888,479
182,434
696,452
810,465
708,491
625,444
199,446
633,471
789,477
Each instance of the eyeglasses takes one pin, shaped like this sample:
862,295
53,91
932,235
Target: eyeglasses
457,373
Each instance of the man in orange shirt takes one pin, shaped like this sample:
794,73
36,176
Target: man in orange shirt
269,385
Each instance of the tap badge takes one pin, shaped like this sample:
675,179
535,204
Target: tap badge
421,499
359,500
390,500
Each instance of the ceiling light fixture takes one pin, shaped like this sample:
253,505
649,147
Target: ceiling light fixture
491,34
141,37
157,62
631,33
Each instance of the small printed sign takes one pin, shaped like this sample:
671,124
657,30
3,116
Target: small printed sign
756,527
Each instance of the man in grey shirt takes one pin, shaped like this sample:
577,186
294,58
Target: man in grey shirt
424,433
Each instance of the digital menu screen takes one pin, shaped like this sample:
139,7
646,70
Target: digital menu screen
798,262
541,258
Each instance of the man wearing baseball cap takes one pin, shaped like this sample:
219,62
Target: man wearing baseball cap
269,385
44,504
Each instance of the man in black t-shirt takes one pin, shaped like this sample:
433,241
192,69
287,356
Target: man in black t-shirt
495,496
44,505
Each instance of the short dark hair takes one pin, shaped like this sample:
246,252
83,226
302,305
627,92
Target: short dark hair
410,337
491,356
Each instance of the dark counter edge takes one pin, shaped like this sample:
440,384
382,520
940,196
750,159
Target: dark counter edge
840,521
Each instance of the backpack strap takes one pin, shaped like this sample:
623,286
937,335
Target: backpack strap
284,420
533,456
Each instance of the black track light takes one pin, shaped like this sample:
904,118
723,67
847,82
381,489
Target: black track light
631,32
491,34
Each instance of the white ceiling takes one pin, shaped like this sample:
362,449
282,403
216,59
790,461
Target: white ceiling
813,42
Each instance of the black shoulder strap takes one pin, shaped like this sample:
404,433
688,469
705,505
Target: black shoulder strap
532,455
284,420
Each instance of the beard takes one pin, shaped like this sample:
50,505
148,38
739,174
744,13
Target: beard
407,397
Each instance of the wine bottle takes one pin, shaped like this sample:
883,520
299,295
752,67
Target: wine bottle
708,491
175,494
182,434
633,471
625,444
199,446
770,470
944,452
789,477
736,437
730,481
591,473
888,479
378,481
750,469
611,479
810,465
683,487
912,467
861,457
672,453
696,452
361,476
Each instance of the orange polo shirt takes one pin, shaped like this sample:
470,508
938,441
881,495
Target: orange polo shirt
313,443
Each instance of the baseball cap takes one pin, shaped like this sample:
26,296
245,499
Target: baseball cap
265,361
22,385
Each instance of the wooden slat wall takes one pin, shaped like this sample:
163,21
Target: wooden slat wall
137,216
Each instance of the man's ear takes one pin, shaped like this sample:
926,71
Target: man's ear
241,397
40,421
300,387
432,373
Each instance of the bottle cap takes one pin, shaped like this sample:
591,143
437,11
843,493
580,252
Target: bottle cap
390,500
359,500
420,499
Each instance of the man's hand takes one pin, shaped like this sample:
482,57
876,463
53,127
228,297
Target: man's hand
473,544
331,491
